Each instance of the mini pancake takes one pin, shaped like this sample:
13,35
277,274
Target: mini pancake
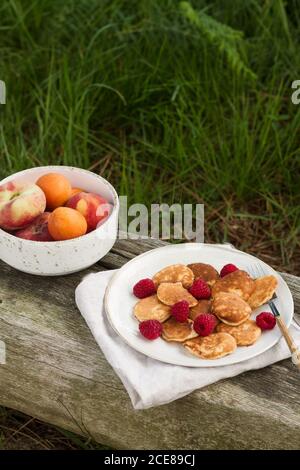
175,273
239,282
172,330
203,306
264,288
245,334
150,308
230,308
204,271
170,293
213,346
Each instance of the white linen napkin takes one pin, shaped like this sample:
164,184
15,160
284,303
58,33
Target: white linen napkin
147,381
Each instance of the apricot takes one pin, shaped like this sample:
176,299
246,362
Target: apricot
93,207
65,223
75,191
56,188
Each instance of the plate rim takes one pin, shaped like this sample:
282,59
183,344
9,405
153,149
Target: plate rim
228,247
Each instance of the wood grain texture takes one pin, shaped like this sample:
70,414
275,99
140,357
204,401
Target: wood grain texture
56,372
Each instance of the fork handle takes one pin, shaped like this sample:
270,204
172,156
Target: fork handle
290,342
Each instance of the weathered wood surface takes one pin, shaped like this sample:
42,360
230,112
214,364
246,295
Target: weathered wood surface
56,372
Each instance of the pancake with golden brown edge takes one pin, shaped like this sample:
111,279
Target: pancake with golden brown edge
230,308
245,334
170,293
238,282
150,308
213,346
175,273
264,288
204,271
172,330
203,306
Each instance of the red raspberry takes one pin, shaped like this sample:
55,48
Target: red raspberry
150,329
266,321
227,269
180,311
200,289
144,288
205,324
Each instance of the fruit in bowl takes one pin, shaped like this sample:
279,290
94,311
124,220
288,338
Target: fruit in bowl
68,217
66,223
20,204
57,189
75,191
37,230
51,243
93,207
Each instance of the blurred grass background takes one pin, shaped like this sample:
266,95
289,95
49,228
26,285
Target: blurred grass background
171,101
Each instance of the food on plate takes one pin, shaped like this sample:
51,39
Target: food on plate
65,223
227,269
93,207
230,308
207,314
245,334
175,273
172,330
56,188
264,288
213,346
200,289
203,306
150,308
144,288
180,311
150,329
20,204
205,324
37,230
266,320
169,293
238,282
204,271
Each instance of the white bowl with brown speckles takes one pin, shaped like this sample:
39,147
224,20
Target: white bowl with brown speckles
63,257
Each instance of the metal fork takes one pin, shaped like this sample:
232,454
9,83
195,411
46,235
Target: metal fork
256,271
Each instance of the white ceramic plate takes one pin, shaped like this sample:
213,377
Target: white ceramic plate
119,301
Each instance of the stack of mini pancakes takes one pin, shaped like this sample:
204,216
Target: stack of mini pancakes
233,298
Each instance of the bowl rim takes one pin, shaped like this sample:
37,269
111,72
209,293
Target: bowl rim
72,240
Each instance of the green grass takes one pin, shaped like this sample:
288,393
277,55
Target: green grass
171,101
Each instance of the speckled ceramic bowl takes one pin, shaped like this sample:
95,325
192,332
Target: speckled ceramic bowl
68,256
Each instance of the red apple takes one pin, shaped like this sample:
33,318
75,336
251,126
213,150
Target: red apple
20,204
93,207
37,230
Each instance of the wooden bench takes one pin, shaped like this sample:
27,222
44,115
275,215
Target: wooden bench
56,372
